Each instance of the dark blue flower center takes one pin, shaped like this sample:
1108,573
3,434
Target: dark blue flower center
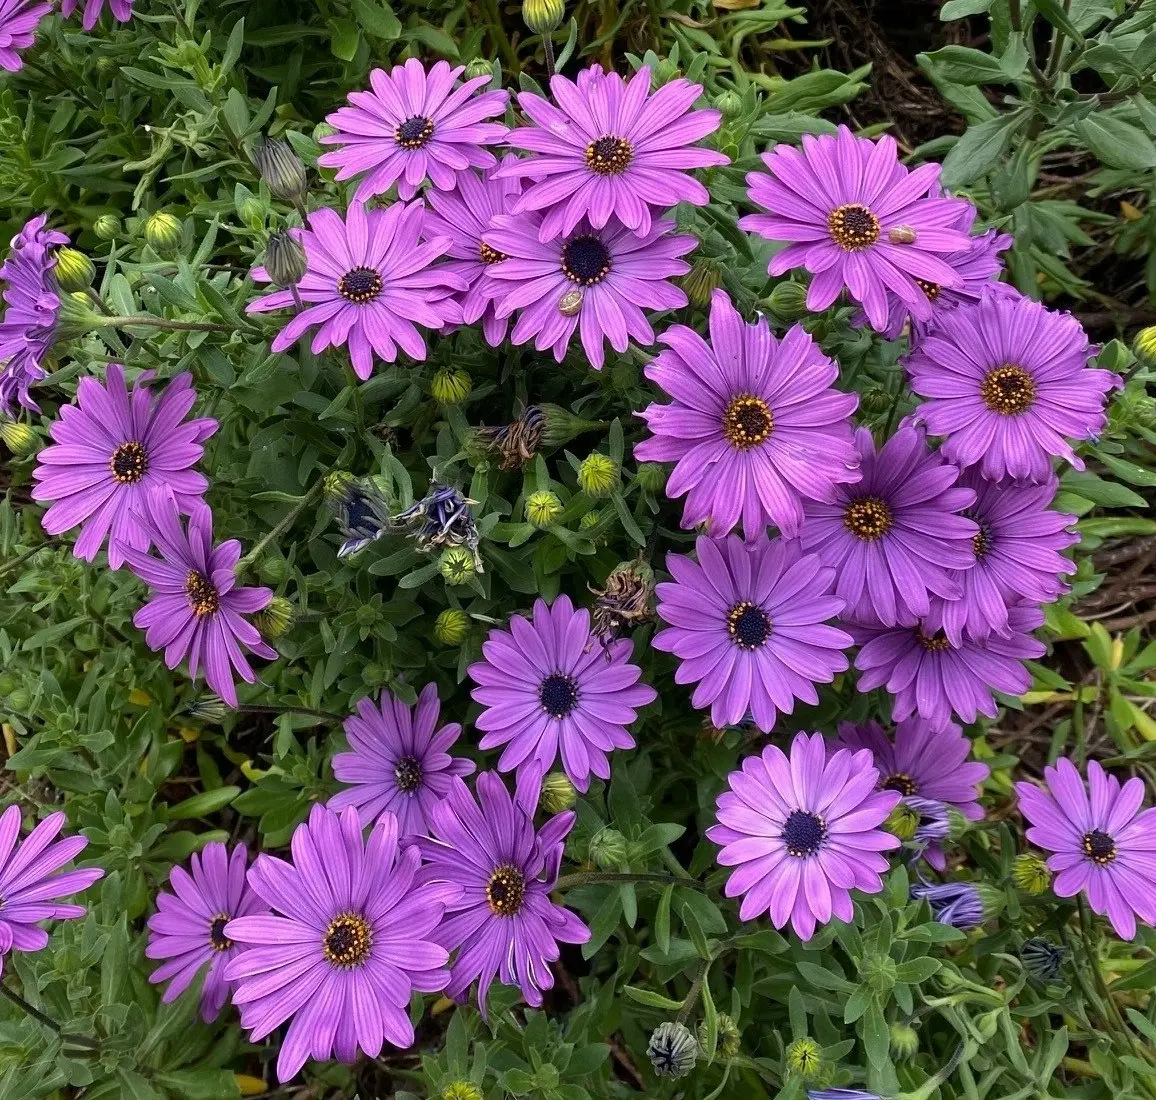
1099,847
749,626
408,774
129,463
360,285
609,155
506,890
414,132
804,833
347,941
585,260
558,694
217,938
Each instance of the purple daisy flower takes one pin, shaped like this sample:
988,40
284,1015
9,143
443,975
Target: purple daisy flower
399,761
894,537
601,279
859,219
1104,847
18,22
464,215
111,450
32,304
1017,556
504,923
196,605
930,677
188,929
748,624
755,426
414,126
1008,383
368,284
31,881
352,934
611,148
803,831
121,10
549,687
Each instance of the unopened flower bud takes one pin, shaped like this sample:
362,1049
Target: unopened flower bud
1144,347
666,71
252,212
590,520
543,508
701,281
207,708
1042,959
450,386
788,301
672,1050
461,1090
608,849
479,66
597,475
282,170
285,258
19,438
74,270
323,129
729,104
457,564
107,227
903,821
804,1057
558,793
561,425
164,234
76,315
543,16
651,476
904,1041
1031,874
337,483
275,618
728,1036
452,626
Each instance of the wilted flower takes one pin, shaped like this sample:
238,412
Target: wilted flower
518,441
361,510
625,601
1042,959
442,518
672,1050
282,170
597,475
452,626
543,508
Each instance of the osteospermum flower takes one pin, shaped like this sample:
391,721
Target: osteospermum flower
895,535
31,882
755,426
1017,556
859,219
195,608
414,126
929,677
399,760
1104,846
18,22
463,215
111,450
749,626
611,148
188,929
31,305
803,831
549,687
121,10
351,936
1007,382
504,924
368,285
600,280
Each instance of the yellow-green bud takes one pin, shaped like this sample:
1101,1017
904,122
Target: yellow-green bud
608,849
1144,347
285,258
107,67
804,1057
73,270
728,1036
450,386
558,793
452,626
164,234
336,483
19,700
457,564
543,508
788,301
8,684
543,16
560,425
479,67
275,618
282,170
590,520
651,476
729,104
19,438
701,281
902,821
904,1041
597,475
107,227
461,1090
992,899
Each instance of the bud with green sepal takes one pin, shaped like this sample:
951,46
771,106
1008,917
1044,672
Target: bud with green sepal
787,301
597,475
451,386
608,850
904,1041
282,171
19,438
276,618
701,281
672,1050
457,564
1144,347
164,234
804,1057
558,793
479,66
1031,875
452,626
728,1036
74,271
107,227
543,16
285,260
543,508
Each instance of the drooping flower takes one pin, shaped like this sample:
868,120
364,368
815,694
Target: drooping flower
1104,847
121,10
929,677
369,284
1017,556
464,215
414,126
859,219
188,929
361,510
31,298
803,831
111,450
31,881
195,608
894,537
754,427
399,760
443,518
1007,382
595,281
549,688
611,148
749,626
18,22
504,924
956,903
351,936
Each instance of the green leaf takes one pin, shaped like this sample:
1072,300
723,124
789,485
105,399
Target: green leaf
963,65
1129,471
1116,142
662,920
377,19
1054,12
876,1037
980,149
344,38
1102,492
651,999
916,970
710,1022
203,804
960,9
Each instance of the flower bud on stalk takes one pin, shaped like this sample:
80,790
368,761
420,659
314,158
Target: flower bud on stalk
1144,347
275,618
19,438
479,66
164,234
701,281
74,271
608,850
285,261
450,386
107,227
543,508
282,171
457,564
672,1050
452,626
804,1058
543,16
597,475
787,301
558,793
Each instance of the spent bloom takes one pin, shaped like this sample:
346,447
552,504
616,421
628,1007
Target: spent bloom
121,10
754,427
1103,846
195,607
1007,381
18,22
802,831
368,285
550,689
111,450
857,218
594,281
412,126
504,924
31,882
350,938
611,148
749,625
188,929
399,760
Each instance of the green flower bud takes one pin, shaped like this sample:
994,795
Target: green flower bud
282,170
992,899
452,626
19,438
19,700
589,520
461,1090
164,234
73,270
206,708
666,71
701,282
608,850
107,227
479,66
457,564
543,508
285,258
902,821
1031,874
450,386
672,1050
788,301
336,484
729,104
876,400
1042,959
107,67
728,1036
8,684
543,16
904,1041
252,212
561,425
804,1057
275,570
651,476
597,475
275,618
558,793
1144,346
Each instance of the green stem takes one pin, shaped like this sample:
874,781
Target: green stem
548,46
20,559
288,521
48,1021
146,321
590,878
501,39
694,992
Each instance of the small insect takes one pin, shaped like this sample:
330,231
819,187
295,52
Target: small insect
902,234
570,303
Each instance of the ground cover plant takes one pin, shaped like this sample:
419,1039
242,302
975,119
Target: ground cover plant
570,550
